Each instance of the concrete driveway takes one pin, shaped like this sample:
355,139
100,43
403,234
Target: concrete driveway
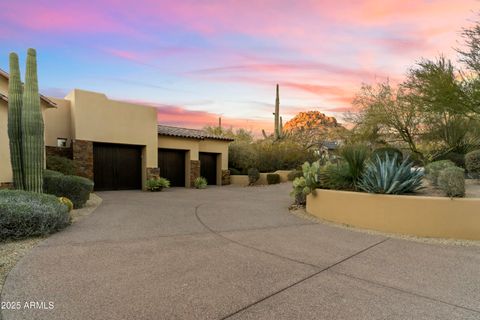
236,253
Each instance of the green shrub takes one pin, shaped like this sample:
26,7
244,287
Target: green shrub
390,151
273,178
355,156
157,184
390,176
280,155
452,181
75,188
472,163
294,174
200,183
457,158
268,156
432,170
235,172
24,214
66,202
51,173
336,177
61,164
253,175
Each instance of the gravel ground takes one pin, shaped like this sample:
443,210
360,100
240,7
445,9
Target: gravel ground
12,251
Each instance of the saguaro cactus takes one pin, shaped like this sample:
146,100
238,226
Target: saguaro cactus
32,128
278,125
14,121
277,115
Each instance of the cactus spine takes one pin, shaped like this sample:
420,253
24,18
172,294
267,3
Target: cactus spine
32,129
14,121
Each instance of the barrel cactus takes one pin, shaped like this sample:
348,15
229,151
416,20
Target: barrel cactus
32,129
14,121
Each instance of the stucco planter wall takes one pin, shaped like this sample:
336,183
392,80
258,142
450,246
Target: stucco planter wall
412,215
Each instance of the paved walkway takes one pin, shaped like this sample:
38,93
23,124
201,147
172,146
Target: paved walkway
236,253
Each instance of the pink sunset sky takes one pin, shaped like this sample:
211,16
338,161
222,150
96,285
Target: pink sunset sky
198,60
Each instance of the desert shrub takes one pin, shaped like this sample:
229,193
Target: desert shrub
390,176
273,178
432,170
241,156
472,163
268,156
157,184
457,158
75,188
51,173
355,157
61,164
390,151
452,181
294,174
234,171
200,183
336,177
281,155
24,214
253,175
66,202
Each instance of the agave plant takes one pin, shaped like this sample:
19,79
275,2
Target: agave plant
389,176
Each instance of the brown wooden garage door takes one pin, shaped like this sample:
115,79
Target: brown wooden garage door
208,167
172,166
117,166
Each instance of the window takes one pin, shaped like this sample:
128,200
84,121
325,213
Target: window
62,142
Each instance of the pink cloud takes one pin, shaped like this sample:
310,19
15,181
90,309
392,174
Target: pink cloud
178,115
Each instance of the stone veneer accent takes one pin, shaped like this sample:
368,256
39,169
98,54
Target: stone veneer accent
194,171
225,177
59,151
83,157
6,185
153,173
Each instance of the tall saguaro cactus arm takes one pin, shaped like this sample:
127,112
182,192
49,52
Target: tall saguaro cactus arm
32,128
14,121
277,114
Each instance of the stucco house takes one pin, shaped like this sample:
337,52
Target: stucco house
119,145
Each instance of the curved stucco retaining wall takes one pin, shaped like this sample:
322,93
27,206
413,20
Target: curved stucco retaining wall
411,215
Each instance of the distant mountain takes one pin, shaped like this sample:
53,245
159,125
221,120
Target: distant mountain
311,120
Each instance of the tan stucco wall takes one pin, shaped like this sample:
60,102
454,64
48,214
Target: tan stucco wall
3,85
5,166
58,123
6,174
412,215
99,119
180,144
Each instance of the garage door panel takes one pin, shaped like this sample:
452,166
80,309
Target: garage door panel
117,167
208,167
172,166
